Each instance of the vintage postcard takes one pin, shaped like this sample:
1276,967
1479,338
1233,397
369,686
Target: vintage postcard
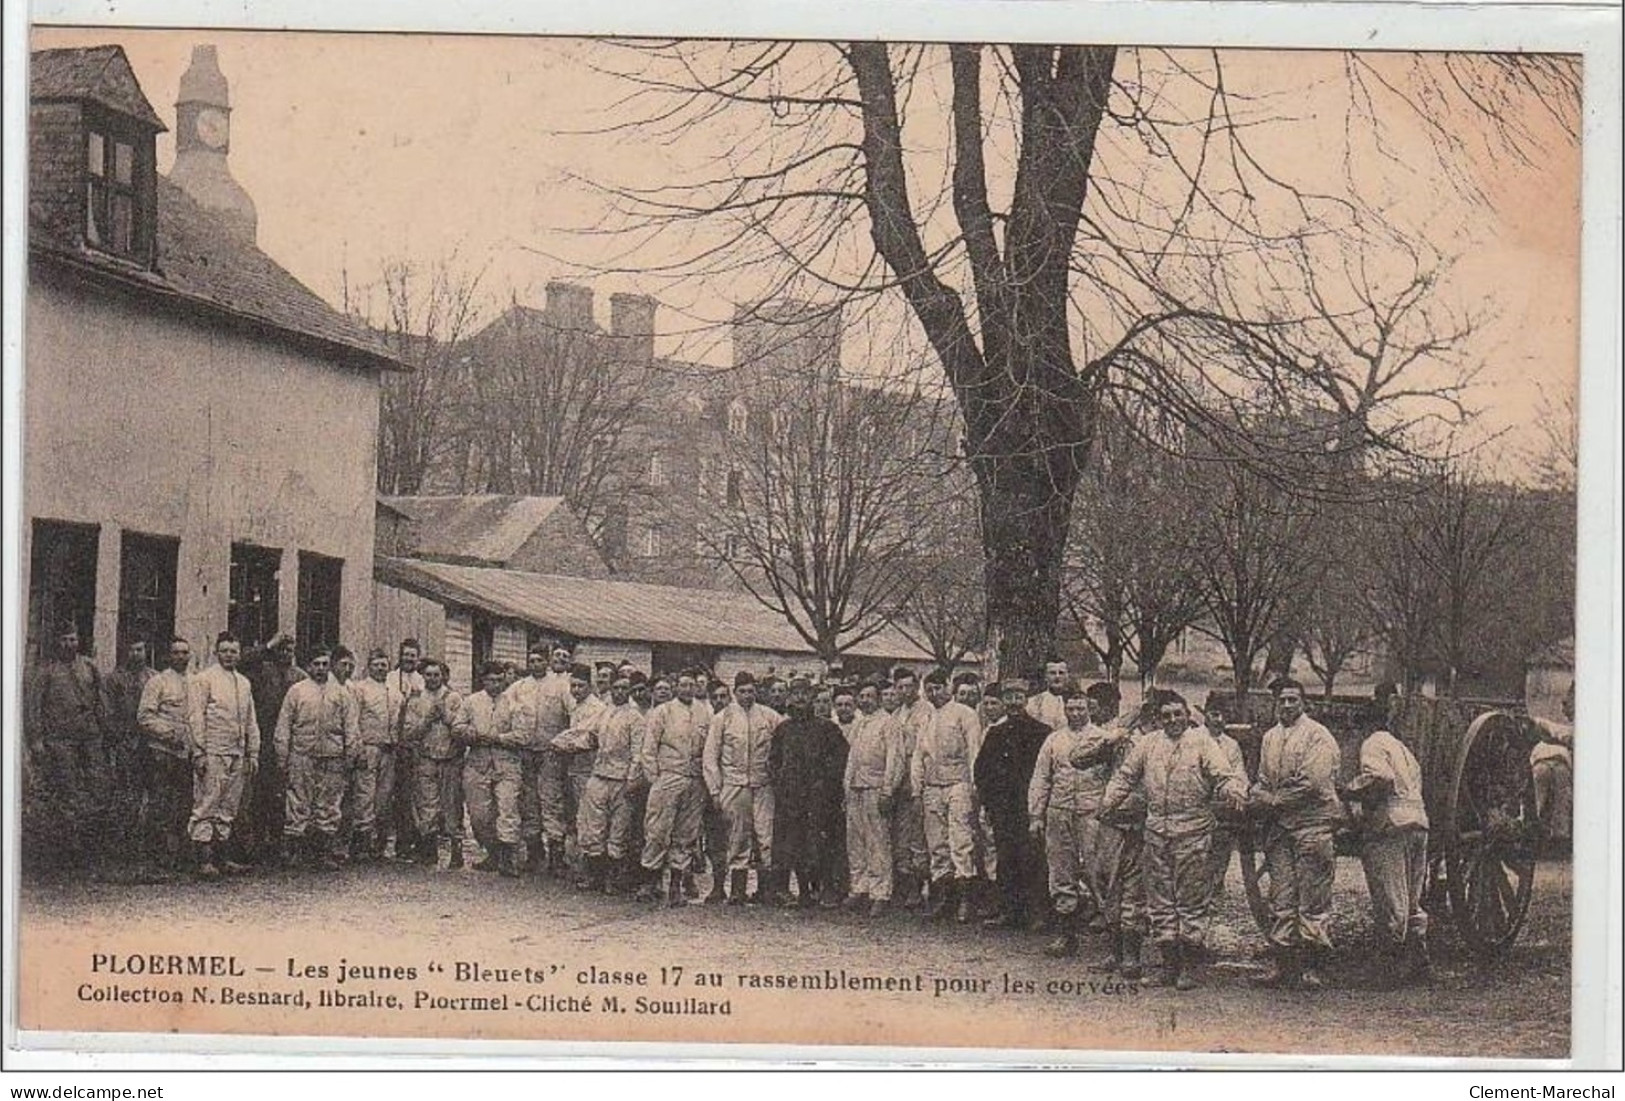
946,541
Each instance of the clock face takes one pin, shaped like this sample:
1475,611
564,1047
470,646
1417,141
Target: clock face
211,128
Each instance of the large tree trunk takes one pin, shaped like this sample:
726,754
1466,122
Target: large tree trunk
1024,536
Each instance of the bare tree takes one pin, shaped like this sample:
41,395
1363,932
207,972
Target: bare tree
1257,565
1336,619
1131,584
550,412
817,525
943,609
1557,461
1090,182
422,312
1464,527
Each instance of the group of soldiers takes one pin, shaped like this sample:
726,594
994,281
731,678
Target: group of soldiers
963,800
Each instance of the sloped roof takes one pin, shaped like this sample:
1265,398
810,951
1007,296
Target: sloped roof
101,74
202,263
486,528
620,610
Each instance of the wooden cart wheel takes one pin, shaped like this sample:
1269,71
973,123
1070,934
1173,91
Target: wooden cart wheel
1489,831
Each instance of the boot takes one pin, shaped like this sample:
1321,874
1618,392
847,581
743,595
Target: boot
780,895
1066,937
964,891
1184,966
691,887
719,883
759,895
204,859
1131,968
676,890
491,861
649,889
556,863
879,907
1114,960
907,891
507,860
1283,972
738,879
1167,971
1418,965
455,860
364,848
1310,977
941,898
321,852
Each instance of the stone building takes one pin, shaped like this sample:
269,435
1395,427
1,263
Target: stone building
199,426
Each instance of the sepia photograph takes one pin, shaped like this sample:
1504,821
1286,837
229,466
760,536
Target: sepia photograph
840,544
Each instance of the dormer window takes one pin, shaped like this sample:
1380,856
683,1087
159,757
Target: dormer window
118,203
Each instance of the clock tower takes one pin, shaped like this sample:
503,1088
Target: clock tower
202,142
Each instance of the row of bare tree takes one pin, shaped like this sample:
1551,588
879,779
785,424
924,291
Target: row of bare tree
1442,570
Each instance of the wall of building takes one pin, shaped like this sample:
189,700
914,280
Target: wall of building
398,614
560,545
140,421
593,650
458,649
510,640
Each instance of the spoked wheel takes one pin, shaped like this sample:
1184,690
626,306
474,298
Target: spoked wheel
1489,857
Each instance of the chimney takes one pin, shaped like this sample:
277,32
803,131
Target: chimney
569,306
788,336
632,323
203,142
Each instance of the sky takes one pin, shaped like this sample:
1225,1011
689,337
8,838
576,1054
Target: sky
360,149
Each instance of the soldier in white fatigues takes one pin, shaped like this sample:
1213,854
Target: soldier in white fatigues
737,749
614,737
1049,706
944,756
1060,811
492,774
1178,773
673,763
225,754
1394,852
315,732
1296,793
164,716
378,704
873,763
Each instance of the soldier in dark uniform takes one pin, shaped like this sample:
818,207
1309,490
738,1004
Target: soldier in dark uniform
270,672
808,766
127,756
65,733
1004,770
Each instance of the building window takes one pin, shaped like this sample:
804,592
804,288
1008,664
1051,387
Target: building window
321,587
738,419
781,424
730,547
251,609
117,216
148,565
708,470
61,583
657,470
650,547
736,493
